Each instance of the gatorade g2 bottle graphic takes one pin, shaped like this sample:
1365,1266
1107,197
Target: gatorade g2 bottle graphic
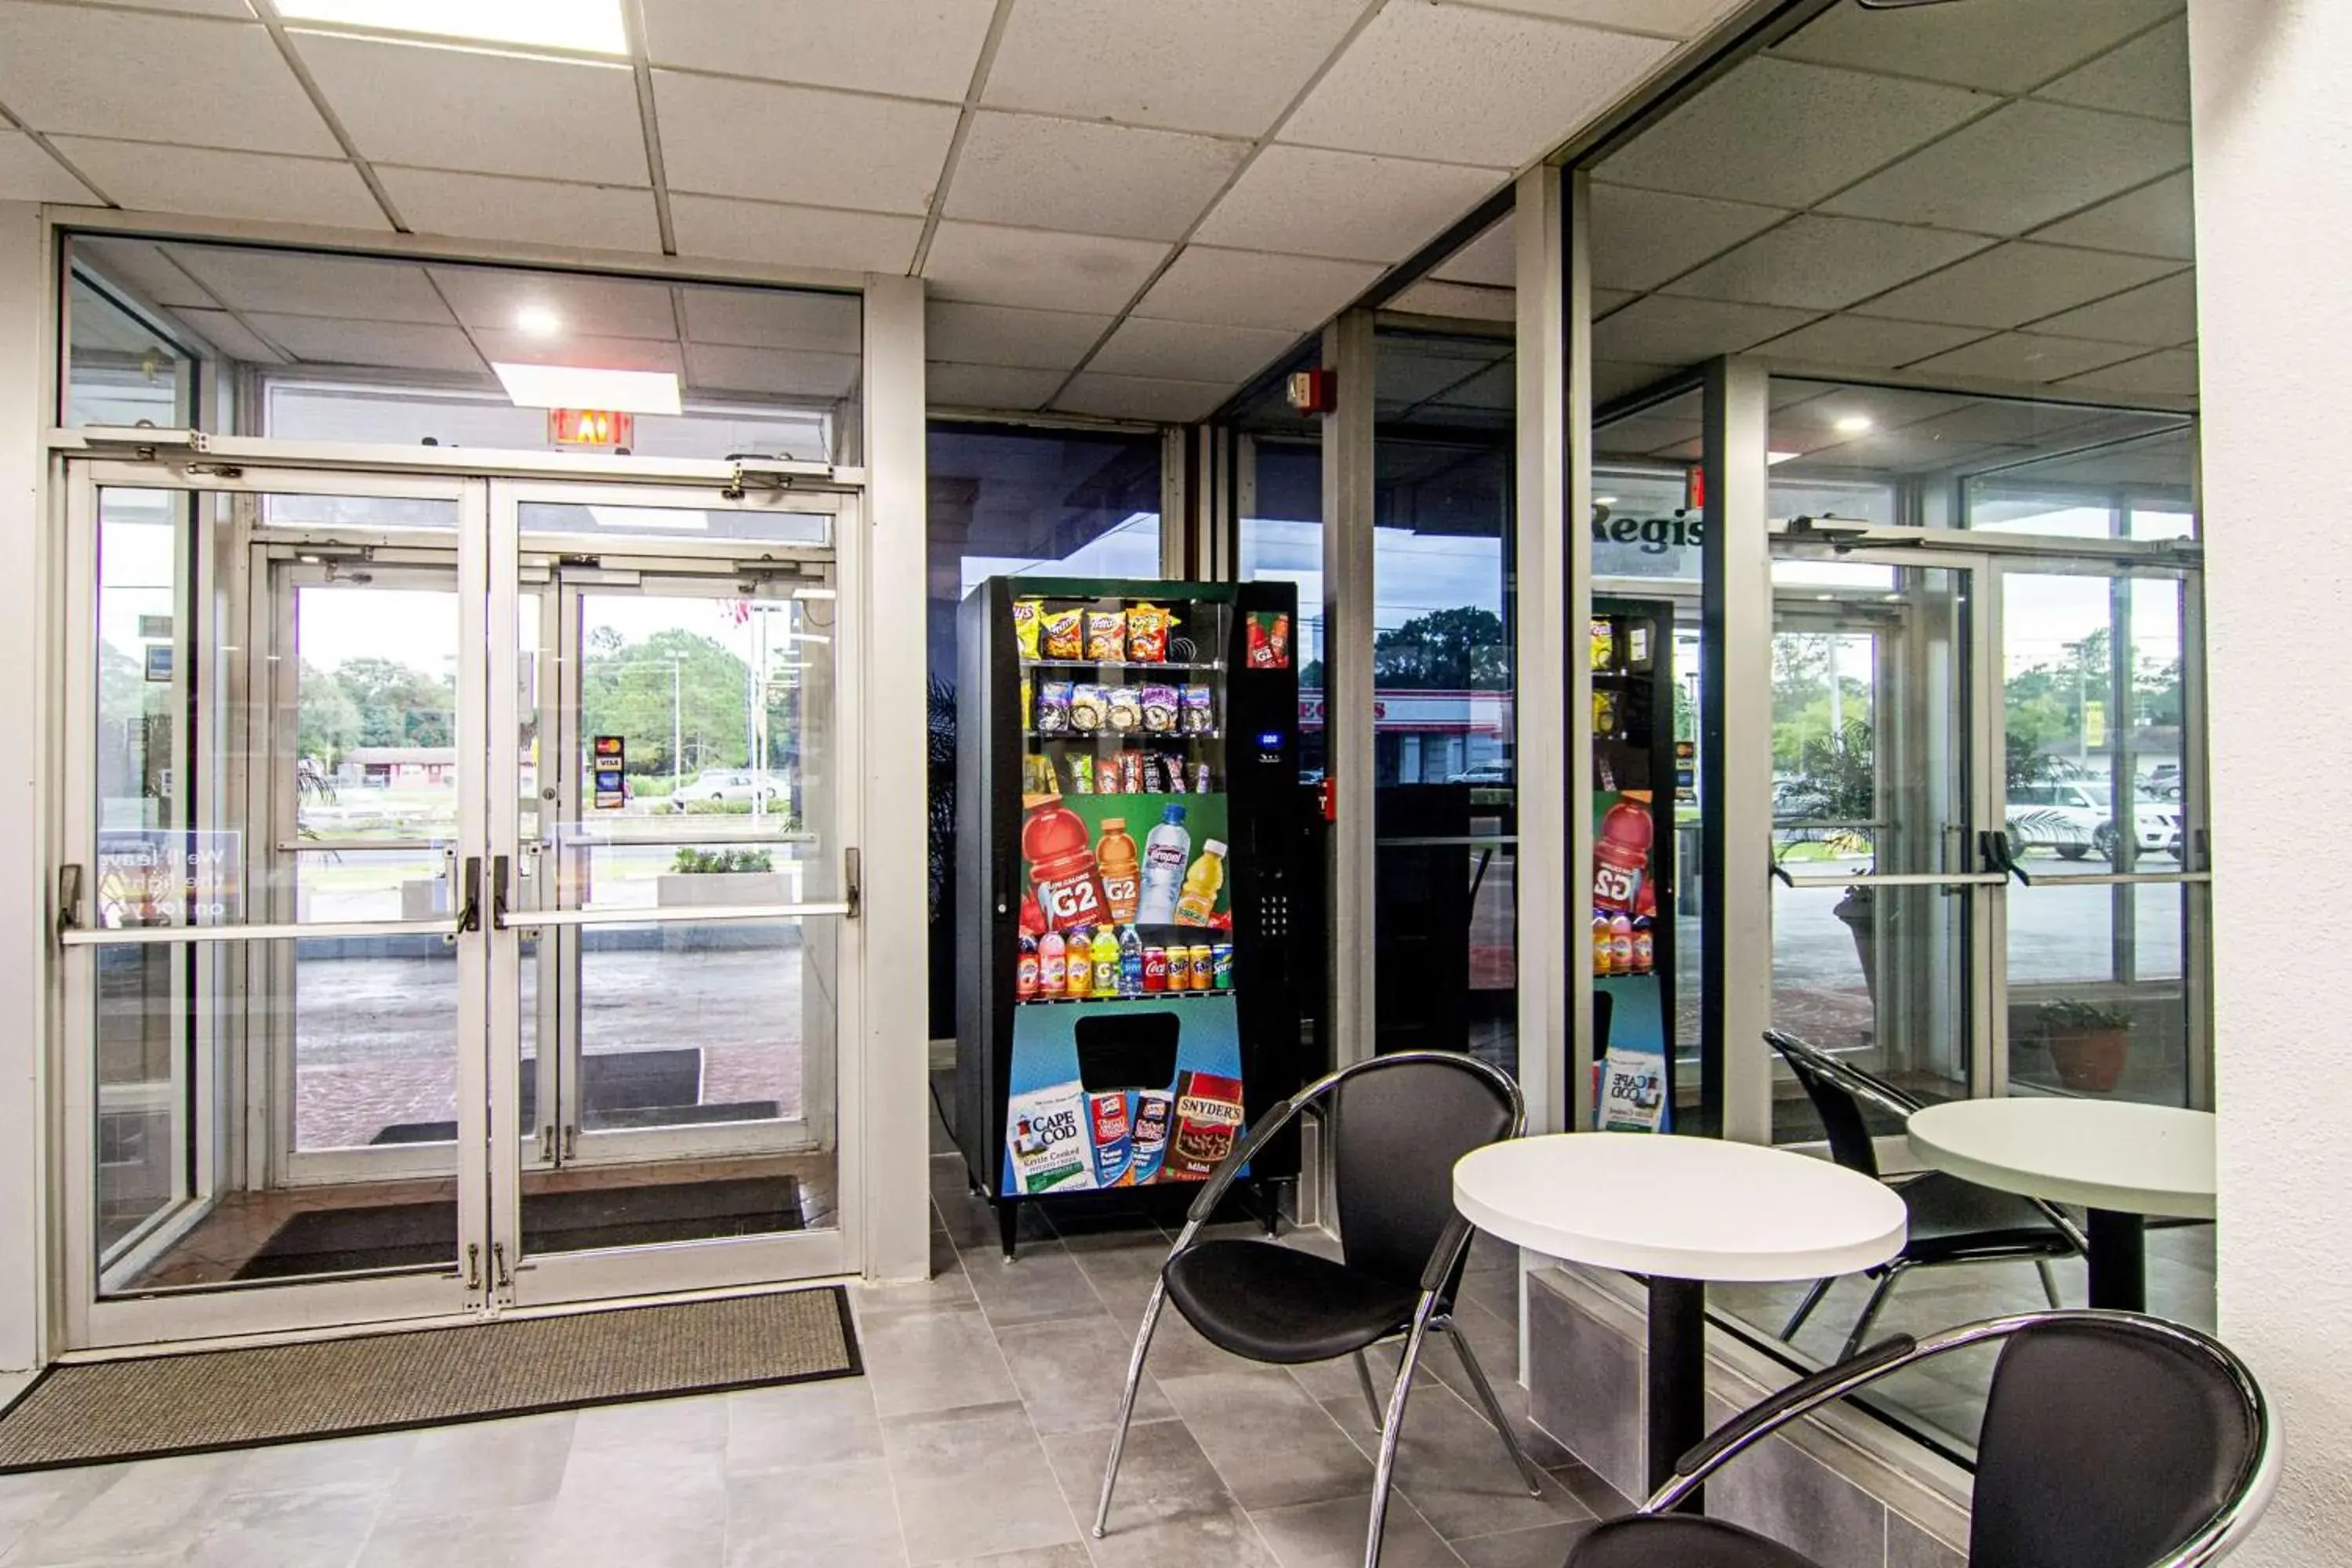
1061,869
1620,856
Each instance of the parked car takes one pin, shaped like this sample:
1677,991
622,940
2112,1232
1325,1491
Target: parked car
1490,775
2161,782
738,786
2076,818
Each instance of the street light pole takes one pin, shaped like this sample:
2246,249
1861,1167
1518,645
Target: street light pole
677,726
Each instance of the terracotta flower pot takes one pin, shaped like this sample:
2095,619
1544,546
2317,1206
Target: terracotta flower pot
2090,1061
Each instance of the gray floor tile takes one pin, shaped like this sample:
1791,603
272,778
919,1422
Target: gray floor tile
1121,1278
802,1424
152,1507
1330,1535
946,1286
320,1528
970,1482
1272,1444
1546,1546
935,1359
1170,1505
668,1424
1070,1373
815,1517
497,1539
1600,1498
1454,1466
483,1466
1069,1554
1042,1285
30,1502
374,1462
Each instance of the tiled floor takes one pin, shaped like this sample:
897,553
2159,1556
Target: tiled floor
977,1436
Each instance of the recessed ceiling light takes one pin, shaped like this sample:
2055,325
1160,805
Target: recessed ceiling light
583,386
539,321
592,26
1604,501
1853,424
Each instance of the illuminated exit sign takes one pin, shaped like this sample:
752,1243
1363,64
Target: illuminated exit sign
590,427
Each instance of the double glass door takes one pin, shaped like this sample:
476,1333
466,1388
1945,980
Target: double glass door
1987,847
456,886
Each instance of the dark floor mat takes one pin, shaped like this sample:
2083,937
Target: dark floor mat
104,1412
422,1236
610,1081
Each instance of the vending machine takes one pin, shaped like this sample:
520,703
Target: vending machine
1128,989
1635,785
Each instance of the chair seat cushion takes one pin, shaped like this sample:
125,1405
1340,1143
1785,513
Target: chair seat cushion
1952,1217
1678,1540
1278,1304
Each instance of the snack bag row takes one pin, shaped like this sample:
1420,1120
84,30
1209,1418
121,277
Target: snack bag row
1066,1140
1087,706
1137,634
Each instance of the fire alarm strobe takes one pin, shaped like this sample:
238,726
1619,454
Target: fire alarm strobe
1313,390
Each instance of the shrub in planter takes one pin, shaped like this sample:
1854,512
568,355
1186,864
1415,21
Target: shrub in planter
2088,1043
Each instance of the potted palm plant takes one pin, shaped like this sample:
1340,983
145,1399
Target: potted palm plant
2088,1041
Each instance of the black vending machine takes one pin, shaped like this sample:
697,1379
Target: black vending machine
1129,989
1639,776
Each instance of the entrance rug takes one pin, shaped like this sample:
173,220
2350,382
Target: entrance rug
420,1236
202,1401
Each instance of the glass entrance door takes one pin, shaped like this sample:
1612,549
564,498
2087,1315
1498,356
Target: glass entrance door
399,810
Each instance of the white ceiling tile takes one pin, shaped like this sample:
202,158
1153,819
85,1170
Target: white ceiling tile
141,266
2004,420
1616,378
1868,344
775,319
2004,46
998,335
2012,284
2025,356
1087,178
2170,373
1220,65
1972,179
1472,301
505,346
2147,76
172,80
1661,329
800,144
792,373
2162,314
1640,239
1492,258
298,283
29,175
990,265
1136,397
1306,201
1464,86
537,212
729,229
486,113
229,335
1189,351
910,49
1824,263
149,178
1244,288
1880,454
493,298
235,10
951,385
1758,135
1669,18
2157,219
399,346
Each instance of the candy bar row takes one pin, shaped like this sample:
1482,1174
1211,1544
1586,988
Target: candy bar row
1131,771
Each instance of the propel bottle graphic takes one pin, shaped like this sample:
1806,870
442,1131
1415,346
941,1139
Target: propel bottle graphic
1166,853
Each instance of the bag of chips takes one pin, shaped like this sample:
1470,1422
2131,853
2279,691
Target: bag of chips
1160,710
1053,708
1199,710
1082,774
1146,633
1107,635
1065,634
1026,614
1090,707
1125,709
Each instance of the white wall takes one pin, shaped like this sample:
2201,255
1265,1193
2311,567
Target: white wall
23,314
2273,149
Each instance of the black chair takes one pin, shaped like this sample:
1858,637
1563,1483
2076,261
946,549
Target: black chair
2110,1440
1393,1126
1952,1220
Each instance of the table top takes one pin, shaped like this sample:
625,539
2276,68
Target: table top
1688,1208
2100,1153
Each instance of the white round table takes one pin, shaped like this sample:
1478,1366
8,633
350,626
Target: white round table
1680,1212
2121,1161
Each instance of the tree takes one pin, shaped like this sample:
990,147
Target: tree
1451,651
399,706
629,689
327,720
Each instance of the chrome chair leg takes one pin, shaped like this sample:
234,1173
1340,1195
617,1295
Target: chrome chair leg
1485,1390
2049,1282
1126,1402
1364,1380
1869,1308
1392,1427
1805,1308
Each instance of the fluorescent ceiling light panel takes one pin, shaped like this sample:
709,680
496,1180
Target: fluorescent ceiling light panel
584,386
594,27
669,519
1853,425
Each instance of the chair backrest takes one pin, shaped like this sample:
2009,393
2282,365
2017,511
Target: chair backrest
1838,1090
1397,1124
2110,1443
